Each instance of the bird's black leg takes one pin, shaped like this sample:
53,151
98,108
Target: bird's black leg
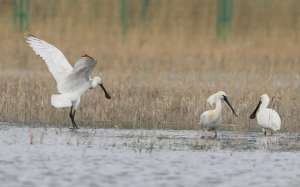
216,135
265,132
76,126
72,116
71,113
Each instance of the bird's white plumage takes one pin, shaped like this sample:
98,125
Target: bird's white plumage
60,101
56,62
210,119
266,117
211,100
269,119
213,118
71,82
79,77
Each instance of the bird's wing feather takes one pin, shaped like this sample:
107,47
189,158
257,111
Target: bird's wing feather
276,121
80,75
269,118
209,119
57,63
85,62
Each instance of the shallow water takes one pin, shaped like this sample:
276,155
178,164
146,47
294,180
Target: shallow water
110,157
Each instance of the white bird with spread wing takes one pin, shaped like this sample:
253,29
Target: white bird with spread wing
72,82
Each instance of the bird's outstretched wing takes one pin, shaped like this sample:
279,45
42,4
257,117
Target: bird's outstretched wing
80,75
57,63
84,65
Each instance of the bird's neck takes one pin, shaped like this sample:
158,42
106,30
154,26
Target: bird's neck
263,105
218,106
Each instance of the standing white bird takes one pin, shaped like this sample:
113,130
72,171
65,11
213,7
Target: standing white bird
211,119
72,82
267,118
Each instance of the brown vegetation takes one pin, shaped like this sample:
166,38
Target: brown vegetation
160,71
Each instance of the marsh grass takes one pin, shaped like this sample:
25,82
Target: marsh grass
161,72
175,103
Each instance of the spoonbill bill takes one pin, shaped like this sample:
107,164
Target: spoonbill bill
267,118
211,119
72,82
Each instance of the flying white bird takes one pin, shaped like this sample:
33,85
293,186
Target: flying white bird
267,118
72,82
211,119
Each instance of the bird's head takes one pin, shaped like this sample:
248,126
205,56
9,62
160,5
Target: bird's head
97,81
220,95
265,99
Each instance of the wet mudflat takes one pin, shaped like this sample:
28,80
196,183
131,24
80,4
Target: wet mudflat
113,157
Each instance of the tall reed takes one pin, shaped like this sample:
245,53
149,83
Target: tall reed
162,71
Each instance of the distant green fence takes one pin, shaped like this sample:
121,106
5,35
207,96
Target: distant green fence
223,18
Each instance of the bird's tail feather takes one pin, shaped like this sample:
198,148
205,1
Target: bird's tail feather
60,101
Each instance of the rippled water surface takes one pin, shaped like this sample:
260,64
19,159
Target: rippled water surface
110,157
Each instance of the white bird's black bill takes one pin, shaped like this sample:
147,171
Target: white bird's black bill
105,92
228,103
253,115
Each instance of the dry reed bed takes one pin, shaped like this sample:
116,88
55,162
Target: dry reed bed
161,72
151,99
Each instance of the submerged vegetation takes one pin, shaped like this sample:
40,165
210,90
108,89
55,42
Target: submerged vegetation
159,66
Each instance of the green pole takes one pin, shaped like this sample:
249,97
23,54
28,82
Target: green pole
123,16
145,7
224,18
21,9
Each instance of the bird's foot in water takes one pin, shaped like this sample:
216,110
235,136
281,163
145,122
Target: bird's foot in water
209,137
216,135
264,131
74,127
